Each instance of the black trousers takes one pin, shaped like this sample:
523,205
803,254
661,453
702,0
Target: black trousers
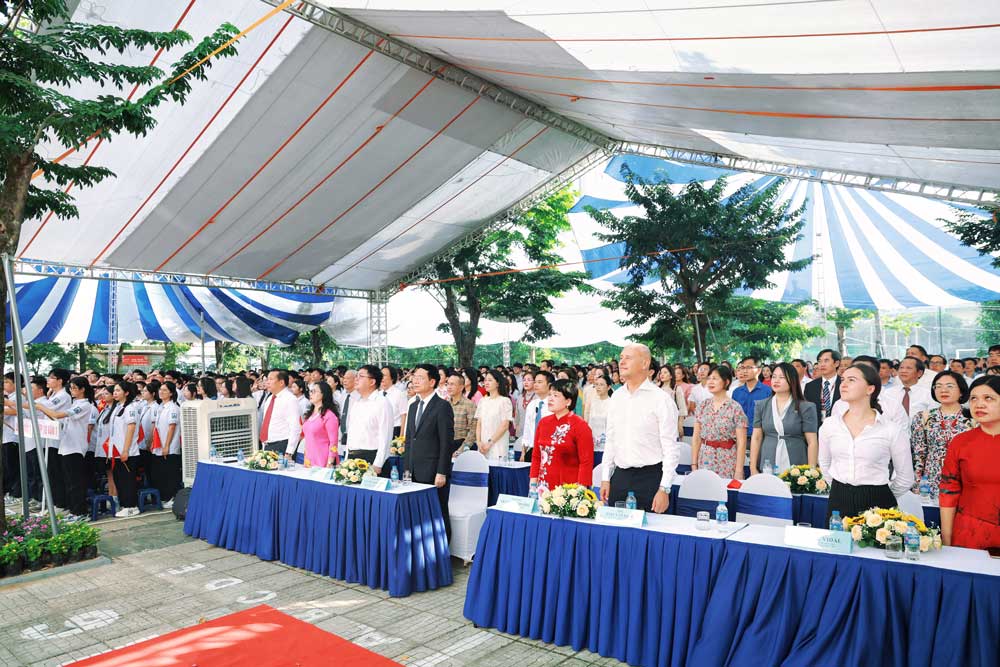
146,466
34,475
11,470
167,475
644,482
57,485
278,446
74,475
853,500
124,475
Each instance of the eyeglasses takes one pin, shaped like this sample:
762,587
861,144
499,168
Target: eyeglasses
950,385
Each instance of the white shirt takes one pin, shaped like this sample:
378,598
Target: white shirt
29,442
369,425
597,419
170,414
490,414
642,431
892,410
285,423
397,403
60,402
9,423
864,460
146,420
920,398
538,408
699,394
927,379
73,439
120,419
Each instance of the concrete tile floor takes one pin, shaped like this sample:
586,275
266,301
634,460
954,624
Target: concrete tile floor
160,580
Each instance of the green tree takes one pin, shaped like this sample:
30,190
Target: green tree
988,323
172,351
479,281
844,319
764,329
979,229
44,57
699,246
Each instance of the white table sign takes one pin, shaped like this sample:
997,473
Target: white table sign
518,504
817,539
617,516
374,483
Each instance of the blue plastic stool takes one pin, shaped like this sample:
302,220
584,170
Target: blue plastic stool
102,504
152,493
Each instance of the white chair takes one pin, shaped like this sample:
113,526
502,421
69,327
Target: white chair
596,479
684,450
701,490
765,500
911,503
467,502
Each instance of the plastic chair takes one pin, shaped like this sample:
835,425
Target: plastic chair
154,499
684,449
911,503
765,500
100,505
467,503
596,480
701,491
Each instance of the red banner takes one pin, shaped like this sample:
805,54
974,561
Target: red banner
135,360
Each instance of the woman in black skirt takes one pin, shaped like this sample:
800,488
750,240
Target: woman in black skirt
855,449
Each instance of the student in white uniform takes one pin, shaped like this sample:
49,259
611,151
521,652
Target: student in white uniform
37,390
60,399
149,408
123,447
75,423
11,460
167,445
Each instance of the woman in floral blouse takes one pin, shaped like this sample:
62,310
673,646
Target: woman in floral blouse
720,429
932,430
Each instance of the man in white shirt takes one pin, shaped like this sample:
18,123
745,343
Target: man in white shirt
369,421
803,371
519,376
641,446
59,400
396,397
537,408
280,426
920,353
350,380
885,374
910,393
699,392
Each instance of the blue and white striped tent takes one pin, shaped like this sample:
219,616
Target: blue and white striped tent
73,310
872,249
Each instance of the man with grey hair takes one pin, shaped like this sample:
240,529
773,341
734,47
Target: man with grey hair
641,444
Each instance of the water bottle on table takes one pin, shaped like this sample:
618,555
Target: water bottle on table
836,523
630,501
722,515
239,456
394,476
212,454
510,456
533,490
768,468
911,542
925,489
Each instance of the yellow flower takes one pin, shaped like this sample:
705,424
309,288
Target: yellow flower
361,464
873,519
590,495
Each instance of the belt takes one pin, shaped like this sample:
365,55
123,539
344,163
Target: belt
721,444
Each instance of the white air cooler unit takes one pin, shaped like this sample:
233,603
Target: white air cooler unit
228,424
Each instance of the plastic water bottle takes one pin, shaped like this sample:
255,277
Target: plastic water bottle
212,454
239,456
925,489
510,456
776,471
911,541
533,490
722,515
768,467
630,502
394,476
836,523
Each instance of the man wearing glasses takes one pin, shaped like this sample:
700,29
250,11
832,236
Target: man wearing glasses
369,420
751,390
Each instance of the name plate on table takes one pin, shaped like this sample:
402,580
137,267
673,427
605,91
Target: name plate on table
817,539
374,483
518,504
617,516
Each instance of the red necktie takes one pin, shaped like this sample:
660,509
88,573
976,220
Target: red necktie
267,420
906,400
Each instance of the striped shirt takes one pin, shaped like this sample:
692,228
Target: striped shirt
465,420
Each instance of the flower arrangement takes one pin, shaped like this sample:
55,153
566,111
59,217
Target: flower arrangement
570,500
263,460
398,446
874,527
29,543
805,479
350,471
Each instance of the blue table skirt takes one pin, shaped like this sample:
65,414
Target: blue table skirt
512,481
790,607
386,541
634,595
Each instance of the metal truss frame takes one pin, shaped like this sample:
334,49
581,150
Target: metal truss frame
378,328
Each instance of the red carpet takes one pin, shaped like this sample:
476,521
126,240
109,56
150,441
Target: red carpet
259,636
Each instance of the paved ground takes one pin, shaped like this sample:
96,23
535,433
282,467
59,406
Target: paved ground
161,580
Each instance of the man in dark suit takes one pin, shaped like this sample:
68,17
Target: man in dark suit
824,391
430,431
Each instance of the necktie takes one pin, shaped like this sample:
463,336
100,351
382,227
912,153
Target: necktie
826,397
906,400
267,421
343,417
420,413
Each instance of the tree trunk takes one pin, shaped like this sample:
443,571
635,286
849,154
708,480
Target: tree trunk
879,335
265,353
317,348
842,339
82,354
465,338
220,355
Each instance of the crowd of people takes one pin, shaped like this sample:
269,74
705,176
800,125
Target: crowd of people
877,428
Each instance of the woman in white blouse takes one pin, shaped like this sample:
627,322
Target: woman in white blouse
597,413
493,416
167,449
855,449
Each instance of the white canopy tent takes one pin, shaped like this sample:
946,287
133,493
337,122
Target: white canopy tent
343,149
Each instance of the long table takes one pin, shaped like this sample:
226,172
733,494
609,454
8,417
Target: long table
509,478
669,594
393,540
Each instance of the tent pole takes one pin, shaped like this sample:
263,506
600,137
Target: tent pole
940,332
22,455
697,339
202,313
18,344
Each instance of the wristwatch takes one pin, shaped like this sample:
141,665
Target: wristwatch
665,489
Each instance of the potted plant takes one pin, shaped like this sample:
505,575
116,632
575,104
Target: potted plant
32,548
11,558
58,546
90,536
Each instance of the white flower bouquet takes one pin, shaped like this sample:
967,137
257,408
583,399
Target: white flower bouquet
398,446
350,471
874,527
805,479
570,500
263,460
